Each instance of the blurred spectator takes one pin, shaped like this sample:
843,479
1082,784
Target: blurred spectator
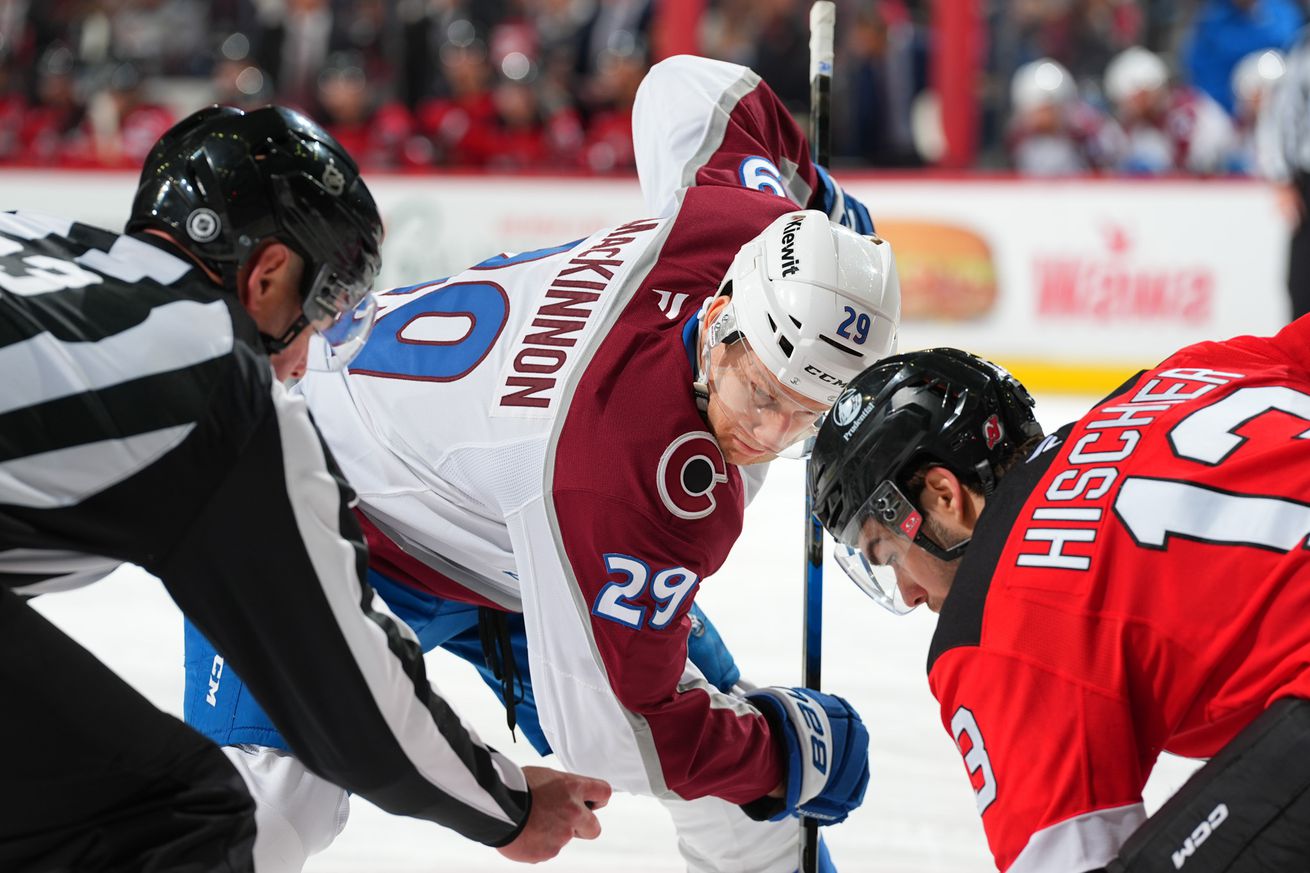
235,79
365,32
880,73
1254,80
1052,130
58,111
1168,128
294,46
378,133
161,36
1228,30
729,31
782,51
120,125
608,145
458,124
12,108
1087,33
614,26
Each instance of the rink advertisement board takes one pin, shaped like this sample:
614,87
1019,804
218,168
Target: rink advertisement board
1071,283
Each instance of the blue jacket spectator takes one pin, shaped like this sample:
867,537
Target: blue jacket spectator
1228,30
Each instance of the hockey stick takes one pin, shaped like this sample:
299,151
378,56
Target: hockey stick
823,15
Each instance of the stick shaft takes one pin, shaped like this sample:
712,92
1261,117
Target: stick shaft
823,16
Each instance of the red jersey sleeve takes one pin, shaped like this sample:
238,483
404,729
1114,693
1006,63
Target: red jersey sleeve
1052,760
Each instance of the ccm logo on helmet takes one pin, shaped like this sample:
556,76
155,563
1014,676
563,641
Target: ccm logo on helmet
824,377
690,469
790,264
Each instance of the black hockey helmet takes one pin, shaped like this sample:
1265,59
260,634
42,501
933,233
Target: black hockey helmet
940,405
222,181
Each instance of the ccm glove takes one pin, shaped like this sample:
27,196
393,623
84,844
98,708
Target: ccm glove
827,749
842,207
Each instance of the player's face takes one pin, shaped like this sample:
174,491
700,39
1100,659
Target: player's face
753,415
920,578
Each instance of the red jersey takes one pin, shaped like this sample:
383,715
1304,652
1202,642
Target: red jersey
1140,584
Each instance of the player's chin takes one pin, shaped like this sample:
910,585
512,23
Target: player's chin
742,455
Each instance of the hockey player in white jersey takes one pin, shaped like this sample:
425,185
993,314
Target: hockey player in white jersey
553,450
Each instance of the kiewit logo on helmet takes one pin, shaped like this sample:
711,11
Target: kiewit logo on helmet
790,263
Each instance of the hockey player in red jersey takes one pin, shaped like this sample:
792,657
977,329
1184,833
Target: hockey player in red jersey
553,451
1135,582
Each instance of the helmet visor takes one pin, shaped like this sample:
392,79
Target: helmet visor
879,582
341,310
343,337
767,415
875,540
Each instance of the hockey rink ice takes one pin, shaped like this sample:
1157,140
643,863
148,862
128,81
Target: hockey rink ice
919,814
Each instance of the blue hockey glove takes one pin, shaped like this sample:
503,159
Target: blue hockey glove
842,207
709,653
827,751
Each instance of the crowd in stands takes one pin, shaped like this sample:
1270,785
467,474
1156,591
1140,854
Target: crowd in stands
1068,86
1094,99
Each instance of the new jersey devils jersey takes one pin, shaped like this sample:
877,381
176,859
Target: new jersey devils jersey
524,434
1140,584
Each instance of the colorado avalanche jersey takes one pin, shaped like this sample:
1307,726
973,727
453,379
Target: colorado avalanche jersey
1140,584
524,434
140,421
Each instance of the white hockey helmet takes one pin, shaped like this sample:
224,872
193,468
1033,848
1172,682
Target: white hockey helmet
1256,73
816,301
1133,70
1041,83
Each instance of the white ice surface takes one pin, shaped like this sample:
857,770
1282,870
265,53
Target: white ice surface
919,814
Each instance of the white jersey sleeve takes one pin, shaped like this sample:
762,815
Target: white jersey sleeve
697,121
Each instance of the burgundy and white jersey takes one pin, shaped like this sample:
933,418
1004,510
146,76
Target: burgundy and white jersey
1192,134
524,434
1087,141
1140,584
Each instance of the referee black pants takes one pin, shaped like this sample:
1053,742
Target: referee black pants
1298,259
94,778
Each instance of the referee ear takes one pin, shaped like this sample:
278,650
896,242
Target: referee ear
269,286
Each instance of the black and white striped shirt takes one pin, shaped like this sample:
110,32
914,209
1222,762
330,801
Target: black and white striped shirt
1282,137
140,421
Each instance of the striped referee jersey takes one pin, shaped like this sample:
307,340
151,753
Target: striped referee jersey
140,421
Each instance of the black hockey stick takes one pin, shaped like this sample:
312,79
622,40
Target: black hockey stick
823,15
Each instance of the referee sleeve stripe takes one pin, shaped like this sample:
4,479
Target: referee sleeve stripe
65,477
172,337
315,501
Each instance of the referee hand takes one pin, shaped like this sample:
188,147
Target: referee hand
562,805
